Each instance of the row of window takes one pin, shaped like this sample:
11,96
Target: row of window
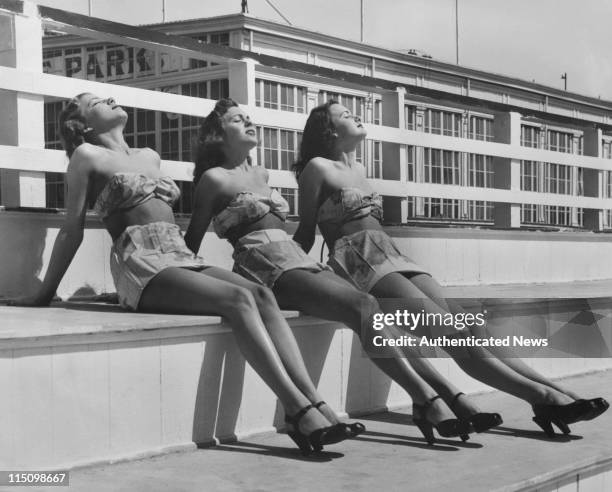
606,149
556,178
293,98
550,215
558,141
449,123
450,209
444,167
275,95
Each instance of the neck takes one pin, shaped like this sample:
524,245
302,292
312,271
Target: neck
349,158
114,140
236,159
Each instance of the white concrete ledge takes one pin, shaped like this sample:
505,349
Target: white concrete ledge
86,383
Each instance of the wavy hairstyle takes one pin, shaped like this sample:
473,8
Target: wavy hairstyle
319,137
73,129
209,142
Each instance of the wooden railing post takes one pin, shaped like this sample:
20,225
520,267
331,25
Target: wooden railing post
241,75
394,155
22,122
507,171
592,178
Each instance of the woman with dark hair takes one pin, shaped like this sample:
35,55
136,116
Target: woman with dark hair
153,269
236,197
336,196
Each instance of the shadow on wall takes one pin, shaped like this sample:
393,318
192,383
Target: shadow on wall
314,343
219,393
367,386
22,244
220,386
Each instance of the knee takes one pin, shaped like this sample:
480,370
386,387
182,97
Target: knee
238,300
264,298
364,305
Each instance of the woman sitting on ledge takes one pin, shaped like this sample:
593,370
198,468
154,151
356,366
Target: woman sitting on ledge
236,197
153,269
336,196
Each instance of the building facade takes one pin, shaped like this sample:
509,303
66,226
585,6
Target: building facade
464,104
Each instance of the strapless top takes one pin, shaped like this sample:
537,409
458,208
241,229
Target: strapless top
127,190
248,207
348,204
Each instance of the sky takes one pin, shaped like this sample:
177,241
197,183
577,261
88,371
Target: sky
534,40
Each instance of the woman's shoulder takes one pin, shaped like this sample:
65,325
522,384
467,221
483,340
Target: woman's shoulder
320,166
87,151
86,157
214,178
319,163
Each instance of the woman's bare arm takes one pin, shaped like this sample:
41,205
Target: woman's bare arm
70,235
309,194
203,211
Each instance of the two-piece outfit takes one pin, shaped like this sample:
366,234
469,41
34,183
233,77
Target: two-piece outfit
142,251
263,255
362,258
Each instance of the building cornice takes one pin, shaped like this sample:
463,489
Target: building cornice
306,36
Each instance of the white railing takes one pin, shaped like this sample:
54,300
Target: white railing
35,83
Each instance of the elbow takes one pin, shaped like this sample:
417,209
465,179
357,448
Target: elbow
191,243
307,245
304,243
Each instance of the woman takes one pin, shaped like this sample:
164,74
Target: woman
153,269
336,196
236,197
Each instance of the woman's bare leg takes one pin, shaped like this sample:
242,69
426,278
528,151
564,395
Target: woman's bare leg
279,331
181,291
431,288
327,296
475,361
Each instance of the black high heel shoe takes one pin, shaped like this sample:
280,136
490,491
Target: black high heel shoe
481,421
353,429
316,439
598,406
562,415
446,428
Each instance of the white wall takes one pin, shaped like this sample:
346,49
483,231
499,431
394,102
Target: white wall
452,256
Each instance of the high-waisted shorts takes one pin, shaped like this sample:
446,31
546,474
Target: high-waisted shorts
364,257
141,252
263,256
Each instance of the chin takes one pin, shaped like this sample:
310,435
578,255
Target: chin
122,116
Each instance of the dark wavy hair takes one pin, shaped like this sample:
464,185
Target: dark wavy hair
208,144
73,129
318,138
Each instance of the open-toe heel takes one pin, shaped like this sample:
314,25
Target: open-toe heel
481,421
307,443
597,405
353,429
446,428
562,415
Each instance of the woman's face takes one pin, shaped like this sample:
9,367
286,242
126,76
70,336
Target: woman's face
239,130
102,114
348,127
